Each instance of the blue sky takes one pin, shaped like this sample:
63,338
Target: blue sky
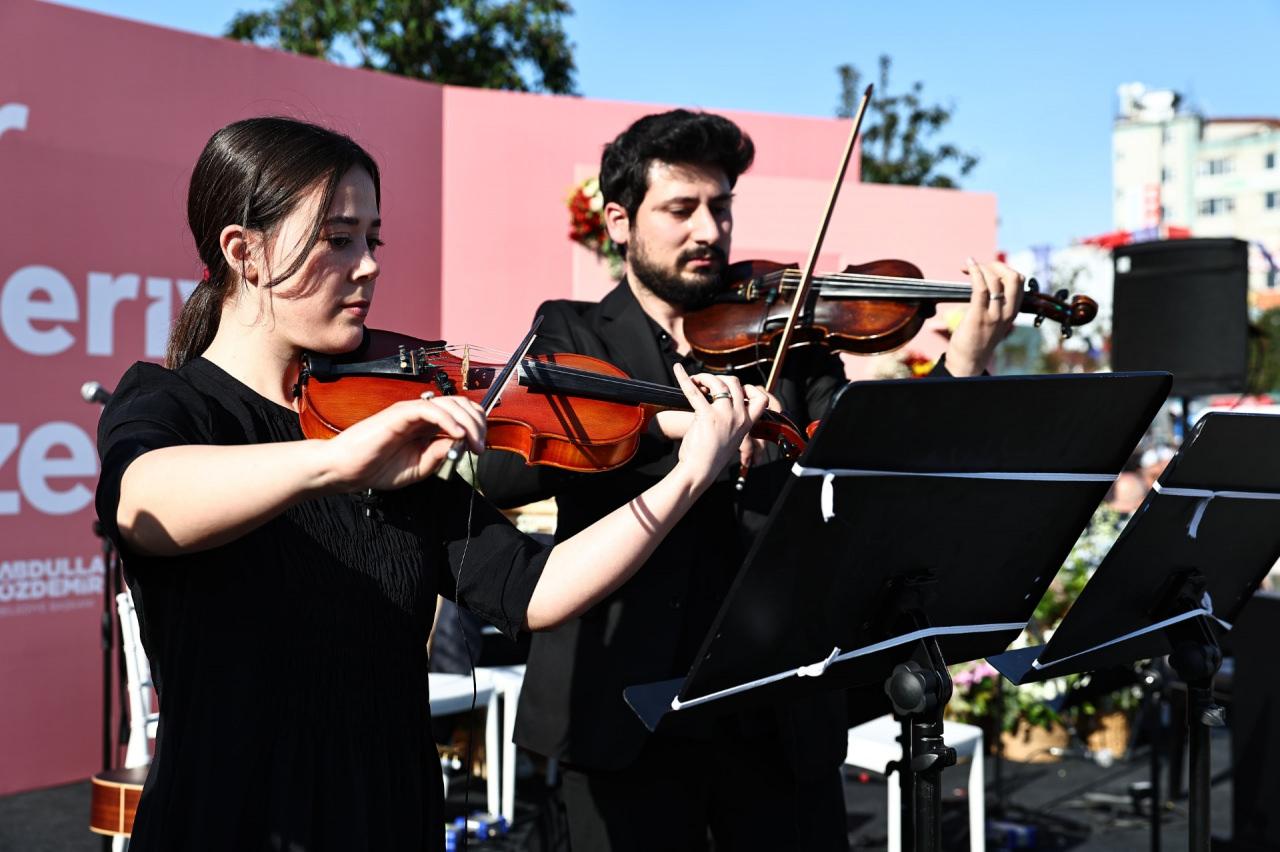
1032,83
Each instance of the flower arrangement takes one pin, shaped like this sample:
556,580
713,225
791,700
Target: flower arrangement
901,365
917,364
587,226
977,684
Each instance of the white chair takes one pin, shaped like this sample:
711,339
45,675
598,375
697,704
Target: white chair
451,693
508,680
873,745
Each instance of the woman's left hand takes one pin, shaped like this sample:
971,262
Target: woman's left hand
723,413
672,424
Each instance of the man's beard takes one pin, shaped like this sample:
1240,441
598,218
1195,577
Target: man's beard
688,290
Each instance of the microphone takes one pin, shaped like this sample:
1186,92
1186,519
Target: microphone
92,392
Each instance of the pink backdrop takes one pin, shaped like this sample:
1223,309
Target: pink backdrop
100,122
511,160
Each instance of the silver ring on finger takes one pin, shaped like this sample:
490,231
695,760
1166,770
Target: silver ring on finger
998,296
723,395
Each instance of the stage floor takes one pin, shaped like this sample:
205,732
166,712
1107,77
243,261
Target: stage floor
1050,796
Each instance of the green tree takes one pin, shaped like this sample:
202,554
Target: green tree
493,44
897,131
1264,372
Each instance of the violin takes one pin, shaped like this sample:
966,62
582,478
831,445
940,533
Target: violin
865,309
566,411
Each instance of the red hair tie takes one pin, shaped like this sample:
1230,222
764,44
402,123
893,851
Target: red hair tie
204,275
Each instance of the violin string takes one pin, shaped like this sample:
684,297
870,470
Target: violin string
892,285
846,283
941,291
908,284
764,322
675,396
791,275
548,368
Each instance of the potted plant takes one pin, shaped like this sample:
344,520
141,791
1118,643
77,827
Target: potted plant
1036,719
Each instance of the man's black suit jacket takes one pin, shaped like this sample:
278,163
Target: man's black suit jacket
571,705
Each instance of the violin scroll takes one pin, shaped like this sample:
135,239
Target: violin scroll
1063,308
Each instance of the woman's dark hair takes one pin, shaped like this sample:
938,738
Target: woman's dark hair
254,173
678,136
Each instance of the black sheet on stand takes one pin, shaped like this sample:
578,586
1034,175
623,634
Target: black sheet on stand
817,604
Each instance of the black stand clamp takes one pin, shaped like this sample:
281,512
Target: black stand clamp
919,690
1196,658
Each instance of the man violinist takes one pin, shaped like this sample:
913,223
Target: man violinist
764,780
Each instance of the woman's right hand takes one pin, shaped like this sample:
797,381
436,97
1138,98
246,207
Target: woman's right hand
402,444
719,424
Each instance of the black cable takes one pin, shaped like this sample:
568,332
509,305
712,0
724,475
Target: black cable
471,724
471,664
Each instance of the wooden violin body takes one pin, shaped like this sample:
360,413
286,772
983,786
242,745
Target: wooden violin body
575,433
866,309
564,410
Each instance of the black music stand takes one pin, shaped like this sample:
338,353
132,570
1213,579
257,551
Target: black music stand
1186,563
922,526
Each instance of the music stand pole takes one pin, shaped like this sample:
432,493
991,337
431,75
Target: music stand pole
997,728
1155,708
1196,658
919,691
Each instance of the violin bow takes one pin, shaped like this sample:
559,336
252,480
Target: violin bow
491,398
806,280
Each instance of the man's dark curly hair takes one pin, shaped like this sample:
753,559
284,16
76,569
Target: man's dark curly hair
678,136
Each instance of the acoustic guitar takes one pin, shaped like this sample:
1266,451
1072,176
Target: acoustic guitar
115,800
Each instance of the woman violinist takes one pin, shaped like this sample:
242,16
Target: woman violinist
285,621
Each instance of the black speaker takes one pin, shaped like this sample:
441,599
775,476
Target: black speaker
1182,306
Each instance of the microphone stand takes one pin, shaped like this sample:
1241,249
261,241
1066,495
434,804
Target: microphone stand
93,392
108,635
110,587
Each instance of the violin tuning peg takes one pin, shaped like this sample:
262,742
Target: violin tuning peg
1039,320
1066,331
1061,295
1033,286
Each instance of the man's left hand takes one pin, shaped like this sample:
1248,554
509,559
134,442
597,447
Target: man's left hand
997,294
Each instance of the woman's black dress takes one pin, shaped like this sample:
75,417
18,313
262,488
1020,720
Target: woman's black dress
291,663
